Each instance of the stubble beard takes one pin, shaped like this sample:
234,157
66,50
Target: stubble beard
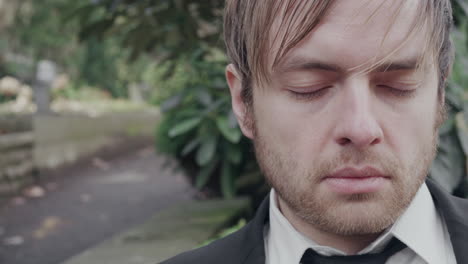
350,215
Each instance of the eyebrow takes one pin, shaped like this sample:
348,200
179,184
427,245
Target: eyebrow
301,63
407,64
305,64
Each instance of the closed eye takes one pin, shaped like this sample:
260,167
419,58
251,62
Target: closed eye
309,95
398,92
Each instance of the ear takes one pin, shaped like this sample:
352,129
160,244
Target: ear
238,105
441,91
442,95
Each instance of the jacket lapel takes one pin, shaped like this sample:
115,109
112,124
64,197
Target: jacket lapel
455,213
253,244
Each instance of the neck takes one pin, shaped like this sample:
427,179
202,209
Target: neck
348,244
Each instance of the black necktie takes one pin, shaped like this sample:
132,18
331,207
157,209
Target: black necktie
312,257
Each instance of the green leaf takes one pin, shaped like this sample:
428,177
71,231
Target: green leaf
184,126
228,187
96,29
204,97
463,5
462,130
454,100
234,154
448,168
207,150
447,126
233,134
232,119
249,179
204,174
190,146
171,102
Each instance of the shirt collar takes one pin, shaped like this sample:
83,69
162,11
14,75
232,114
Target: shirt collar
422,229
419,227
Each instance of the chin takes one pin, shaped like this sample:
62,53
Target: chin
356,214
355,220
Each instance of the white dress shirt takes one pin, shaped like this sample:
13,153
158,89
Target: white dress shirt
420,227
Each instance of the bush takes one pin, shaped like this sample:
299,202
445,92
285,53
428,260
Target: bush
200,129
449,167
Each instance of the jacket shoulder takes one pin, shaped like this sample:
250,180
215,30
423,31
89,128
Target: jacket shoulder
452,207
460,208
225,250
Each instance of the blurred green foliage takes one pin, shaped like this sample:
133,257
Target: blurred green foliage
99,66
35,32
49,30
5,98
200,129
450,166
38,29
167,29
184,37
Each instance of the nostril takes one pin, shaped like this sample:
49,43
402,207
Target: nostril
344,141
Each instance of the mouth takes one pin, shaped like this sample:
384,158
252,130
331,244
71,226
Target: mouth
354,181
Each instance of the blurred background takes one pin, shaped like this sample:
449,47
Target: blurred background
117,139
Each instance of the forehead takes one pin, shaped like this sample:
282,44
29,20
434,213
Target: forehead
364,12
358,33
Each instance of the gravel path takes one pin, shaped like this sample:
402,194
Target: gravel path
87,203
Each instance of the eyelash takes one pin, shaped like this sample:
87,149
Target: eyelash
318,93
398,92
310,95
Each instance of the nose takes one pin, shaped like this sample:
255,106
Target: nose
357,124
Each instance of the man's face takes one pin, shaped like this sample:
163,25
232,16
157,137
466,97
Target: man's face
347,151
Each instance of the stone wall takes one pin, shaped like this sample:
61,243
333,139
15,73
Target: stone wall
30,143
16,148
10,123
61,140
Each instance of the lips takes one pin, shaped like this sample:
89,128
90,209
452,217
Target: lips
357,173
353,181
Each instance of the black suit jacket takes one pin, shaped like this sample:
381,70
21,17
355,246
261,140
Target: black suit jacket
246,246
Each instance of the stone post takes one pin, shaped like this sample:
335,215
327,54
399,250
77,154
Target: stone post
46,73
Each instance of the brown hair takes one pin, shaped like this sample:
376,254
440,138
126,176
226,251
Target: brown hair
248,23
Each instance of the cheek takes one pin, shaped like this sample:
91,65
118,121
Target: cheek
288,128
411,131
